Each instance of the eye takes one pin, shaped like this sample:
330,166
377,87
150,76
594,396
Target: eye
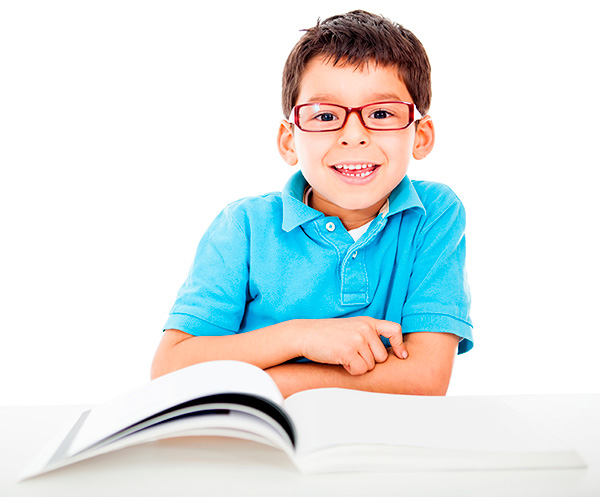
380,114
325,117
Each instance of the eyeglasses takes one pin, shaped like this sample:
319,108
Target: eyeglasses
378,116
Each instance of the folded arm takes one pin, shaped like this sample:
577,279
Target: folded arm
354,343
427,370
347,353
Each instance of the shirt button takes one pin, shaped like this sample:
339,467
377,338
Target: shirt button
330,226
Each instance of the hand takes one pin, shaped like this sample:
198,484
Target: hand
353,343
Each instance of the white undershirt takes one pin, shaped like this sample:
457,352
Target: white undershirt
356,233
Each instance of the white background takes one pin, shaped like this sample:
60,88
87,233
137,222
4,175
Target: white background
123,133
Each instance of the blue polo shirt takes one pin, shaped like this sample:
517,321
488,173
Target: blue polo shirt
272,258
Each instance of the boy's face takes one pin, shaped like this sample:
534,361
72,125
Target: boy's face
338,190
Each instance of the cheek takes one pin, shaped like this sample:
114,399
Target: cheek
398,148
312,150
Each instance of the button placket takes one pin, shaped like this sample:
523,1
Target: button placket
355,279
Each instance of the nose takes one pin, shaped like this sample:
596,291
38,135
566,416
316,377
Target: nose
354,133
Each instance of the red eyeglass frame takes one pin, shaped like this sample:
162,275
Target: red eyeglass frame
414,115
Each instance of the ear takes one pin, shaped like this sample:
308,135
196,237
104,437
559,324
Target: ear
286,144
424,139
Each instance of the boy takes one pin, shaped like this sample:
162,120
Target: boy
336,280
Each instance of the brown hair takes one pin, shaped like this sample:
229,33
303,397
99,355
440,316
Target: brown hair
358,38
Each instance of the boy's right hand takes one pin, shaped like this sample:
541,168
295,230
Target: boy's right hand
353,343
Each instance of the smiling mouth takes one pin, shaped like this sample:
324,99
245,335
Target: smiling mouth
356,170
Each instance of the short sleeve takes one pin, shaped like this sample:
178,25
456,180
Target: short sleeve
438,297
212,299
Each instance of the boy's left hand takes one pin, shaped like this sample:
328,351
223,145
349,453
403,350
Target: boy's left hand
353,343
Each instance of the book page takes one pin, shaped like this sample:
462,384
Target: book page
332,417
196,381
232,424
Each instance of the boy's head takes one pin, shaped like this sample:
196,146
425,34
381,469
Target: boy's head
358,39
352,84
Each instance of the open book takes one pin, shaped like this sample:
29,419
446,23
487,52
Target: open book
321,430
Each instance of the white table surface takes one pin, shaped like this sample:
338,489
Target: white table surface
221,466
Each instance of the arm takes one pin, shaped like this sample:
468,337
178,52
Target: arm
178,349
352,343
426,372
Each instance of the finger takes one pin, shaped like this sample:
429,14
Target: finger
393,332
356,365
398,346
361,359
367,356
358,351
378,350
400,351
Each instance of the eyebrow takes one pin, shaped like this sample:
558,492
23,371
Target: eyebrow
377,97
320,98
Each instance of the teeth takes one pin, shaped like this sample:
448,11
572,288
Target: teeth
358,175
352,167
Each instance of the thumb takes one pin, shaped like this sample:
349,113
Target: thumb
393,332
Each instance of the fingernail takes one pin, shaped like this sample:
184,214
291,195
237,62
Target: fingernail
404,354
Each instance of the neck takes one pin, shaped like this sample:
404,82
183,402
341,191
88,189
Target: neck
350,218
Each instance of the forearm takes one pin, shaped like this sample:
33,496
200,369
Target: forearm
384,377
427,371
264,348
353,343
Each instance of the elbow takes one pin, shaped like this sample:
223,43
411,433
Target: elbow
161,368
435,390
431,383
162,364
165,359
157,369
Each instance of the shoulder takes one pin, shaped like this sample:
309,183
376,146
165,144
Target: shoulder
244,221
259,210
439,202
434,194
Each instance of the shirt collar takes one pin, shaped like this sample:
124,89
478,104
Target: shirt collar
296,212
404,197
